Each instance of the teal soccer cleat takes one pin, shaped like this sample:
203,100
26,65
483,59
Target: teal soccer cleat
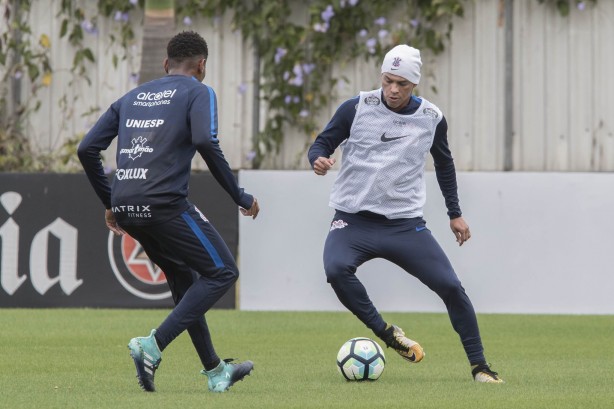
227,374
147,357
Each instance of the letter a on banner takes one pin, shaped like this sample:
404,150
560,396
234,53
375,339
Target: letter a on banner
39,273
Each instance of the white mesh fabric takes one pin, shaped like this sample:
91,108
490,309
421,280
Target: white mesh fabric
383,160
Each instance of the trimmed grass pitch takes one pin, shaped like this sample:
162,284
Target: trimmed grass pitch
78,358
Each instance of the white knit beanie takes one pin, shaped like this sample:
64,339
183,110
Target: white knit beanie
403,61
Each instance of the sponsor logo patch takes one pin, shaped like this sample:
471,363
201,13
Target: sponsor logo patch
151,99
399,122
139,146
136,211
144,123
133,173
430,112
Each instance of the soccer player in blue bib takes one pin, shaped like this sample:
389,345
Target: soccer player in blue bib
379,195
159,126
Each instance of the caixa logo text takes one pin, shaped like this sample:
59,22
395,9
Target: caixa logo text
66,236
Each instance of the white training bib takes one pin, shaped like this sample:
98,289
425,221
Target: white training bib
382,169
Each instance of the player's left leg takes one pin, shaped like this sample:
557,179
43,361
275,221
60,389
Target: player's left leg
414,249
180,278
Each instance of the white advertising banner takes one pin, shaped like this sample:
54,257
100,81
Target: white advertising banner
541,243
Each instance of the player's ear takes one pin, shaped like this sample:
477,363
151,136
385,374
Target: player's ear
165,64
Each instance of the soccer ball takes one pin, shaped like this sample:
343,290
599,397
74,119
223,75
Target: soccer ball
361,359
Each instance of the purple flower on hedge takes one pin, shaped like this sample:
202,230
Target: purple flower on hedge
296,99
363,33
187,21
382,33
242,88
308,68
288,99
134,2
298,81
89,27
380,21
279,54
328,13
371,43
353,2
581,6
134,77
320,28
297,70
251,155
304,113
414,22
120,16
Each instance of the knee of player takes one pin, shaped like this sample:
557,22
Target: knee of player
450,288
337,271
230,273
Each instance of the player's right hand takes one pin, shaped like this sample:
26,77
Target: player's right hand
252,211
109,219
322,165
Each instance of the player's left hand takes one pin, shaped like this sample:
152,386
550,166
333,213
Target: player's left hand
460,229
109,219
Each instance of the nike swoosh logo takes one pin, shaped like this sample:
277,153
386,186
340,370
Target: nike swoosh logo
420,228
384,139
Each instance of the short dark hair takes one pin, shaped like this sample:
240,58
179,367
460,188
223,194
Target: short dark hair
186,45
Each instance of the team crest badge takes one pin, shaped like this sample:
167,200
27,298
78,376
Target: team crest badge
396,62
337,224
372,100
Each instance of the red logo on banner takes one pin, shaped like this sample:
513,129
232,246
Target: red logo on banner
134,270
138,263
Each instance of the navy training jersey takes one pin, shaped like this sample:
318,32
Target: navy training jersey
159,125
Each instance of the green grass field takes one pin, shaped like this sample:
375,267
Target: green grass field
57,358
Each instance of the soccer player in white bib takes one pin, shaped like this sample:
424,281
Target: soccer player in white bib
379,195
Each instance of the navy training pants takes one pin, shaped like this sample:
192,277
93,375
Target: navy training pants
357,238
199,269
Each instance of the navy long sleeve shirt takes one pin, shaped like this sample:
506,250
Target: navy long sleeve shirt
338,130
160,126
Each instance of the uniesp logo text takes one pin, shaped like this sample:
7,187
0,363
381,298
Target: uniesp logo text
144,123
150,99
